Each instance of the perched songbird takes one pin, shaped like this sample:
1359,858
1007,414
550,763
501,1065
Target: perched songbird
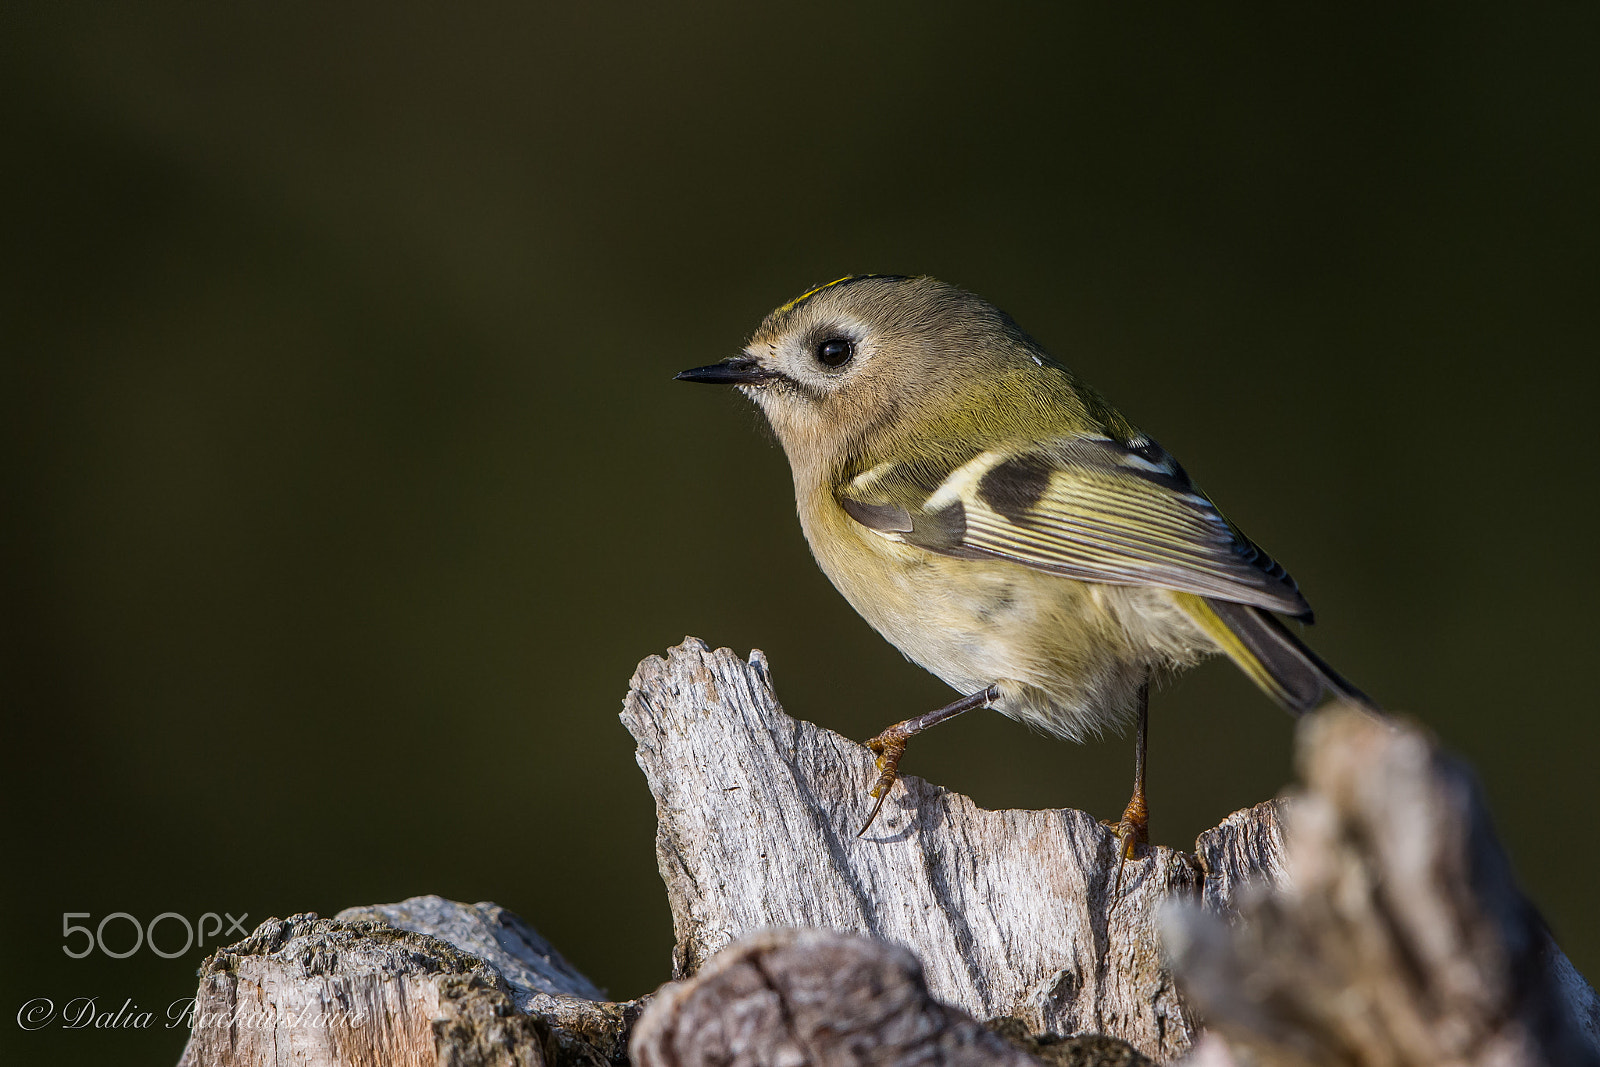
1002,524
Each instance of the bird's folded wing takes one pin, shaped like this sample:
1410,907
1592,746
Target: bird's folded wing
1089,508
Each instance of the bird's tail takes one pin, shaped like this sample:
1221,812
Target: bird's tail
1271,656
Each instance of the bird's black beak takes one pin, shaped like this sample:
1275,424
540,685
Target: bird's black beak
737,371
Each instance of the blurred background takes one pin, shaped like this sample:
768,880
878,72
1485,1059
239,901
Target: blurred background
345,483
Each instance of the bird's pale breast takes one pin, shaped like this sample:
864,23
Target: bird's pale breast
1069,656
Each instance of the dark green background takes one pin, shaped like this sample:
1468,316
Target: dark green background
344,481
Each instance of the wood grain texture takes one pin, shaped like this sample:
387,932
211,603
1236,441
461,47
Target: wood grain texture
1398,936
426,982
318,992
1011,911
1370,919
583,1026
1242,854
812,997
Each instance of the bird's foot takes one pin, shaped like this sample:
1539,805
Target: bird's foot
890,746
1132,831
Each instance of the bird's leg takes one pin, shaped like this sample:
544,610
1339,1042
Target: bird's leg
890,745
1134,829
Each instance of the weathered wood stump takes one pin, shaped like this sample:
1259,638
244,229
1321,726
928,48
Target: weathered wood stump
1371,918
1011,912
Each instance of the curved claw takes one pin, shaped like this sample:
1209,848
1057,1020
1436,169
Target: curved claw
876,807
1128,838
1132,831
889,753
890,745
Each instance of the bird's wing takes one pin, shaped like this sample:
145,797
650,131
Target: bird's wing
1089,508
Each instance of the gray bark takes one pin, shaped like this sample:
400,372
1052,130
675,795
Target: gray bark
1370,919
1387,930
583,1026
1400,936
424,982
1011,912
305,990
811,996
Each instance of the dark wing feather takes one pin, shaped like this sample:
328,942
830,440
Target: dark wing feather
1088,508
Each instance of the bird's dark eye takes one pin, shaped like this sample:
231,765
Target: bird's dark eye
835,352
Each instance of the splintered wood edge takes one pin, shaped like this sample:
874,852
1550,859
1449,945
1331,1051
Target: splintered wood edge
1242,862
1245,849
1094,966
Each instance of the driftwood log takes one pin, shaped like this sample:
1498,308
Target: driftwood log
1371,918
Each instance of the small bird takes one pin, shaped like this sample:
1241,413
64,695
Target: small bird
1003,525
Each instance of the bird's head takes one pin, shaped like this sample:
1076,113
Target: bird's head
877,358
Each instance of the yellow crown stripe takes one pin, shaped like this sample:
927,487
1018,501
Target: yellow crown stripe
809,293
